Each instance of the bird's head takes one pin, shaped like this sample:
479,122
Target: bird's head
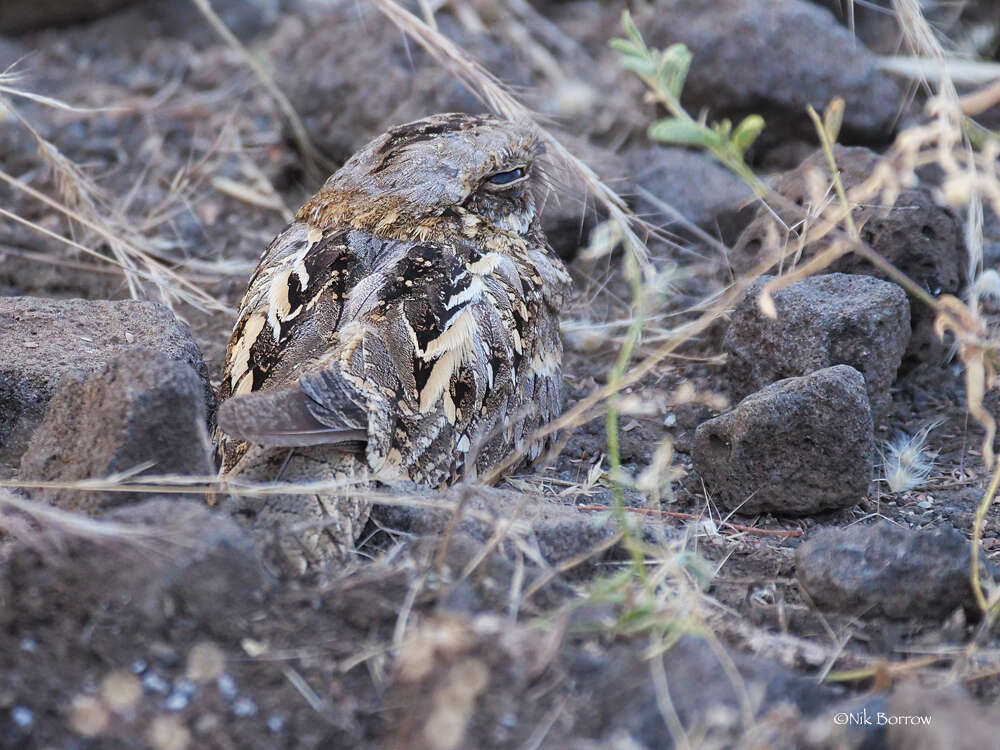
482,163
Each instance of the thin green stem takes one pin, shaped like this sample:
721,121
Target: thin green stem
632,544
831,160
725,156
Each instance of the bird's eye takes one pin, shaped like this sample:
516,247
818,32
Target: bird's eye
501,179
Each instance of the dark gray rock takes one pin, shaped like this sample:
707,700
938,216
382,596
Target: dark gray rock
178,558
245,18
351,55
799,446
218,570
22,15
835,319
694,184
608,692
886,569
773,58
919,237
957,720
623,701
141,407
44,340
971,26
558,532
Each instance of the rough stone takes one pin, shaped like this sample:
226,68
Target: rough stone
350,73
468,676
22,15
957,721
245,18
201,565
971,26
917,236
773,58
44,340
886,569
708,195
799,446
834,319
142,407
557,531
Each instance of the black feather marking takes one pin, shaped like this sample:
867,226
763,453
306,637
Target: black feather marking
426,279
264,353
421,372
295,296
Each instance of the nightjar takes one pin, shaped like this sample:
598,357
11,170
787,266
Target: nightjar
404,328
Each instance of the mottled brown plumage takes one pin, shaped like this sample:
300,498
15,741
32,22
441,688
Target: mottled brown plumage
404,327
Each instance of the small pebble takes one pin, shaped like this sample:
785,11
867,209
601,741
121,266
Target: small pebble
139,666
206,723
227,686
275,723
244,707
153,683
23,717
30,645
185,686
176,702
509,720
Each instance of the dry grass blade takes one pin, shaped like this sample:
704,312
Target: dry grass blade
172,484
7,78
496,96
77,524
85,204
314,161
251,195
972,72
169,283
983,99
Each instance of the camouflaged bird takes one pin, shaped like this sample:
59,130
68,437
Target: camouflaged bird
405,327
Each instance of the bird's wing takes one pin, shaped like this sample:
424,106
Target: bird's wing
292,306
434,347
287,417
416,344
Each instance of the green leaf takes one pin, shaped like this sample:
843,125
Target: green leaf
627,47
640,65
746,132
675,62
629,27
686,132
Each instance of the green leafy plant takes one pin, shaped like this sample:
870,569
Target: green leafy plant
664,72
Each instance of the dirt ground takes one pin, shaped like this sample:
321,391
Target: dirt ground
520,620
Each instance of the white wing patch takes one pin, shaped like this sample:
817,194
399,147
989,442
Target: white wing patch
460,334
238,381
450,349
